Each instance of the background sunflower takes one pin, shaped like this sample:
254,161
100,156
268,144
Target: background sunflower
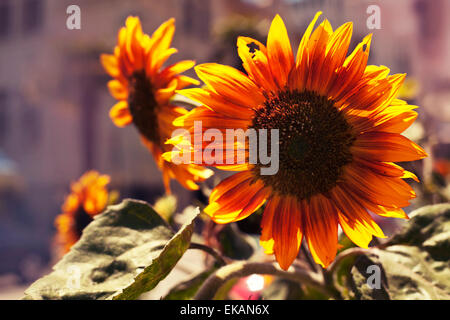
144,90
88,197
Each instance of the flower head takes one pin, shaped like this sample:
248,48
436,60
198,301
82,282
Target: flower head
88,197
144,89
340,128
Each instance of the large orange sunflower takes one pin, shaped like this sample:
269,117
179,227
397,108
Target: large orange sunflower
340,128
88,198
144,89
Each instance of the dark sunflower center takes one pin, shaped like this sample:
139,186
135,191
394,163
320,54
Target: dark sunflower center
142,105
314,142
81,219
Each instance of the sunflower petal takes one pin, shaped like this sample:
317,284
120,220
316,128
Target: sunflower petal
254,57
110,64
279,52
120,114
384,146
321,230
117,90
230,83
228,204
286,231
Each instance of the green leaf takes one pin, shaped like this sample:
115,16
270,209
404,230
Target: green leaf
124,252
415,265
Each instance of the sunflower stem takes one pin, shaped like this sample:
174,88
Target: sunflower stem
352,252
242,269
308,258
219,259
330,275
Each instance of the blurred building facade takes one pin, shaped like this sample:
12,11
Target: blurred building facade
54,106
54,103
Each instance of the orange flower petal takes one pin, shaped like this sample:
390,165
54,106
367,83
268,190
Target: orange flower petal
383,146
301,54
387,169
378,189
279,52
395,123
120,114
321,227
171,71
110,64
159,44
254,57
317,53
297,79
336,52
266,239
210,119
184,81
230,205
231,84
352,70
217,103
286,232
354,219
117,90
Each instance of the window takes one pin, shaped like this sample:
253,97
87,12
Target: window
5,18
196,19
431,16
31,121
33,15
4,123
